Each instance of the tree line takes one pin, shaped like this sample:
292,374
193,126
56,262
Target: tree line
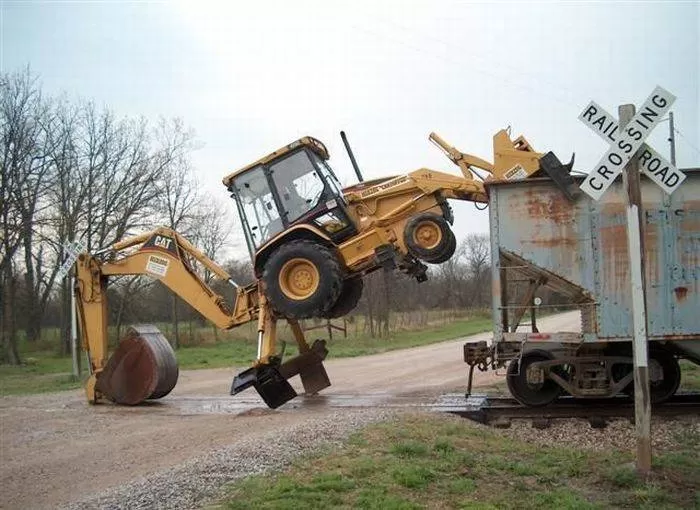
70,170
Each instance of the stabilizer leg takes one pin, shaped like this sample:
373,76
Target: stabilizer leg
270,377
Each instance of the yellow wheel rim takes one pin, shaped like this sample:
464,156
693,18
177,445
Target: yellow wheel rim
427,235
299,279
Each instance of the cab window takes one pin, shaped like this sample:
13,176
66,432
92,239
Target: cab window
258,205
298,184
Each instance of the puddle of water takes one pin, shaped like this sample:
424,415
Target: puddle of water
253,405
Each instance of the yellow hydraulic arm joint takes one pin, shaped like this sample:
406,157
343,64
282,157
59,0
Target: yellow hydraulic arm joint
513,159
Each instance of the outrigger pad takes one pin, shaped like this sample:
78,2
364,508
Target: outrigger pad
268,382
309,366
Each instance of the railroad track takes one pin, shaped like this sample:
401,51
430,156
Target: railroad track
495,411
500,411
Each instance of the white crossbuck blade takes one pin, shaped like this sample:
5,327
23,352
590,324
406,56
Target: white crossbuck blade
624,145
72,249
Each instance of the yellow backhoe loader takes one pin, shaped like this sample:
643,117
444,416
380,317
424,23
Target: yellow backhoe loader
311,242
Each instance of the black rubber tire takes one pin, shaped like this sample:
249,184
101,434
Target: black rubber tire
329,286
438,252
659,391
349,297
527,394
450,249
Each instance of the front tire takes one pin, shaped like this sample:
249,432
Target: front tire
303,279
428,237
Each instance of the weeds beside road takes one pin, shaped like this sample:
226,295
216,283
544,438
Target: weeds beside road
422,461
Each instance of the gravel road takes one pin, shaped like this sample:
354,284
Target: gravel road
55,450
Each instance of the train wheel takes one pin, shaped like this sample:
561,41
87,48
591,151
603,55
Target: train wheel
530,386
664,375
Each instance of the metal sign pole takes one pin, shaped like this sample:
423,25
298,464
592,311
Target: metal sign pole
74,329
635,243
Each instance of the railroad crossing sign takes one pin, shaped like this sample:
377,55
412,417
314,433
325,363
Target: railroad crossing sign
623,146
72,250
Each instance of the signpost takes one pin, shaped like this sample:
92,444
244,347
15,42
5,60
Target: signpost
72,251
628,151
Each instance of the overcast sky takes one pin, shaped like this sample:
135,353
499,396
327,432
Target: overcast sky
249,77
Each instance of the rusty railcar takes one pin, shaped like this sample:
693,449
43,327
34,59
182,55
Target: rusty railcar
578,251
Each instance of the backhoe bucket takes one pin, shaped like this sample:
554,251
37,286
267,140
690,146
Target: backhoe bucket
270,381
142,367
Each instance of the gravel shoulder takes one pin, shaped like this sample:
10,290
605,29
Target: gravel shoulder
56,450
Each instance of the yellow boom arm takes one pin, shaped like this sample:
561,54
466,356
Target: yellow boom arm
166,255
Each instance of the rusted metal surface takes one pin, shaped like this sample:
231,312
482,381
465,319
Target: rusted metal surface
580,248
142,367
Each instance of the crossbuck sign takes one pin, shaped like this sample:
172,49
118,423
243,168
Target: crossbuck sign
72,251
624,145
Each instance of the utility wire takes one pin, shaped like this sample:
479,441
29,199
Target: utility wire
697,151
460,63
556,88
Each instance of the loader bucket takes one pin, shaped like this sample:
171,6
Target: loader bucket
142,367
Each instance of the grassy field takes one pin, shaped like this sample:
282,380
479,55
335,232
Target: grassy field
45,371
442,463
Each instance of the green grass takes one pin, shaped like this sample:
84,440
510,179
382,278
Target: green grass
430,461
690,376
44,371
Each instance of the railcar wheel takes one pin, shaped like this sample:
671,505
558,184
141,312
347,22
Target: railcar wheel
664,375
530,386
303,279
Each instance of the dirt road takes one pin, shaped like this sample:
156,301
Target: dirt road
55,449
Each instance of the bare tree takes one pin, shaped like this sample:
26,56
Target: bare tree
177,199
22,172
476,250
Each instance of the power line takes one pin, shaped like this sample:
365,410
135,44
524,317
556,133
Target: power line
697,151
453,61
553,86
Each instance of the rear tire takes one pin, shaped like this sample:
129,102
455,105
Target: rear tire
348,299
303,279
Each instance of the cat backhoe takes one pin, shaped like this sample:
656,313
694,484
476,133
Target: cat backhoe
311,242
